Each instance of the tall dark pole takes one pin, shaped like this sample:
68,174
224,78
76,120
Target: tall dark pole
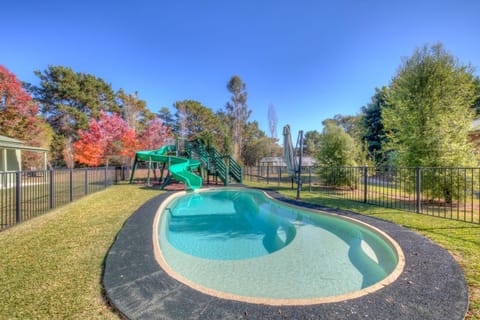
299,179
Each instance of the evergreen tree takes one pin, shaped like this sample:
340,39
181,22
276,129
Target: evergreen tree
195,121
430,111
166,116
373,132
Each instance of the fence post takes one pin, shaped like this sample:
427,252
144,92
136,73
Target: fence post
310,178
18,197
116,173
418,192
86,181
71,185
105,177
226,171
279,175
268,169
365,184
52,188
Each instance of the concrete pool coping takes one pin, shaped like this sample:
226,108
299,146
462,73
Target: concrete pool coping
431,286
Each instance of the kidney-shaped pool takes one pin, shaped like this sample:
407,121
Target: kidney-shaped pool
240,244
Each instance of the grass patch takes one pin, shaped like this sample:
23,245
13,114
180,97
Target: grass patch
51,266
461,239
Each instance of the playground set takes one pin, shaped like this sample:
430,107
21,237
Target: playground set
183,160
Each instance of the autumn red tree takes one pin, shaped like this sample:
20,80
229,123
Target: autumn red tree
154,136
107,137
19,115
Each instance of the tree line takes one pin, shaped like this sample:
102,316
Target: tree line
83,121
421,119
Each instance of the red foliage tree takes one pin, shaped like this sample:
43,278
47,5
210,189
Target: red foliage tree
107,137
19,114
13,98
154,136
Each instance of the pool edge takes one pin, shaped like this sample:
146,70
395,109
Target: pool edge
393,276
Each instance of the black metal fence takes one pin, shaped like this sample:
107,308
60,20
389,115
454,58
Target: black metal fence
452,193
26,194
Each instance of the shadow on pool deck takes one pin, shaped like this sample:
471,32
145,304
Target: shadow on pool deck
431,286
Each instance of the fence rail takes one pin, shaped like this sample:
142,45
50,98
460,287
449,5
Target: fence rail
452,193
27,194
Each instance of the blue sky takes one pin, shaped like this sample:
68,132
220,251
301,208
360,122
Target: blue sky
310,59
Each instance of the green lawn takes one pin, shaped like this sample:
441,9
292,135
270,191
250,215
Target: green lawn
461,239
51,266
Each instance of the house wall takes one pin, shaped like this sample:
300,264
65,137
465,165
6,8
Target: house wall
10,160
278,161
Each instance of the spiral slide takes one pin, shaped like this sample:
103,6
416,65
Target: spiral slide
179,167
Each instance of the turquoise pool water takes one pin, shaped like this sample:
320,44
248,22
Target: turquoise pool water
240,242
226,225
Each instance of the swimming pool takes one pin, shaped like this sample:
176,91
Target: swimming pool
240,244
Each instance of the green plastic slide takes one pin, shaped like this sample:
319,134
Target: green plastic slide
178,166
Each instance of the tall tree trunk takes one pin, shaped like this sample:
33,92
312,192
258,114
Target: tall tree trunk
69,153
